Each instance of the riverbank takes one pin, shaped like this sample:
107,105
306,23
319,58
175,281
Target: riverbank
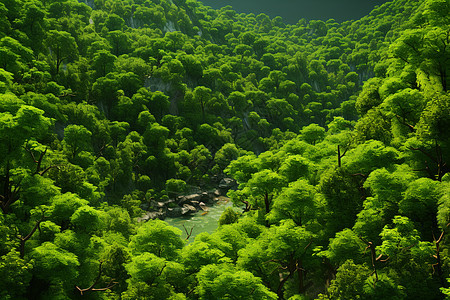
200,221
187,205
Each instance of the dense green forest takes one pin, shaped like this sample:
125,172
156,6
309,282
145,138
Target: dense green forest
338,135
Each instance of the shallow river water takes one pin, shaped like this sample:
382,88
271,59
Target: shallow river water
201,221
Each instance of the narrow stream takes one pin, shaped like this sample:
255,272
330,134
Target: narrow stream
201,221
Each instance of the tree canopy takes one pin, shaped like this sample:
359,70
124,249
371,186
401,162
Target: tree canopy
113,112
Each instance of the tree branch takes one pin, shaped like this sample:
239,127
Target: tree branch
188,234
110,285
28,236
340,156
38,161
10,191
373,257
411,127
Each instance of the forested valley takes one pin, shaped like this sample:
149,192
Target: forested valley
337,134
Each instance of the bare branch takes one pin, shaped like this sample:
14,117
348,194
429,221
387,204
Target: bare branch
340,156
110,285
424,153
437,256
309,244
188,234
29,235
248,206
29,151
38,161
48,169
403,122
360,174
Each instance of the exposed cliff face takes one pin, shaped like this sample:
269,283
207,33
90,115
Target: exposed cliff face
89,3
157,84
169,27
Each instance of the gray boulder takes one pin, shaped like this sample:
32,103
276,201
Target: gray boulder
188,209
227,183
189,198
174,212
152,215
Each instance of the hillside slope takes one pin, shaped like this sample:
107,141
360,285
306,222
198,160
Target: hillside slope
337,134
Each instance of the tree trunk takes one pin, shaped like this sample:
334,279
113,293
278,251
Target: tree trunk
300,272
267,202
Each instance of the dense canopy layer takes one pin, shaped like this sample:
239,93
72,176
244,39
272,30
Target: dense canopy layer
336,133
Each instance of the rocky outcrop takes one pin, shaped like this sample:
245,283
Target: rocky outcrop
186,205
227,184
151,215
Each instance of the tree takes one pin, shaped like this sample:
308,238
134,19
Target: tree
159,104
221,281
237,101
426,48
16,129
343,197
374,125
192,65
17,274
243,168
225,155
349,282
279,110
33,22
76,139
264,183
14,56
370,156
135,65
210,136
279,255
86,219
62,46
153,17
406,106
387,190
5,26
229,216
54,266
63,207
158,238
114,258
369,96
402,243
6,79
174,187
312,133
202,95
149,277
114,22
295,167
155,137
103,63
199,254
119,41
420,204
296,202
105,91
431,146
346,245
